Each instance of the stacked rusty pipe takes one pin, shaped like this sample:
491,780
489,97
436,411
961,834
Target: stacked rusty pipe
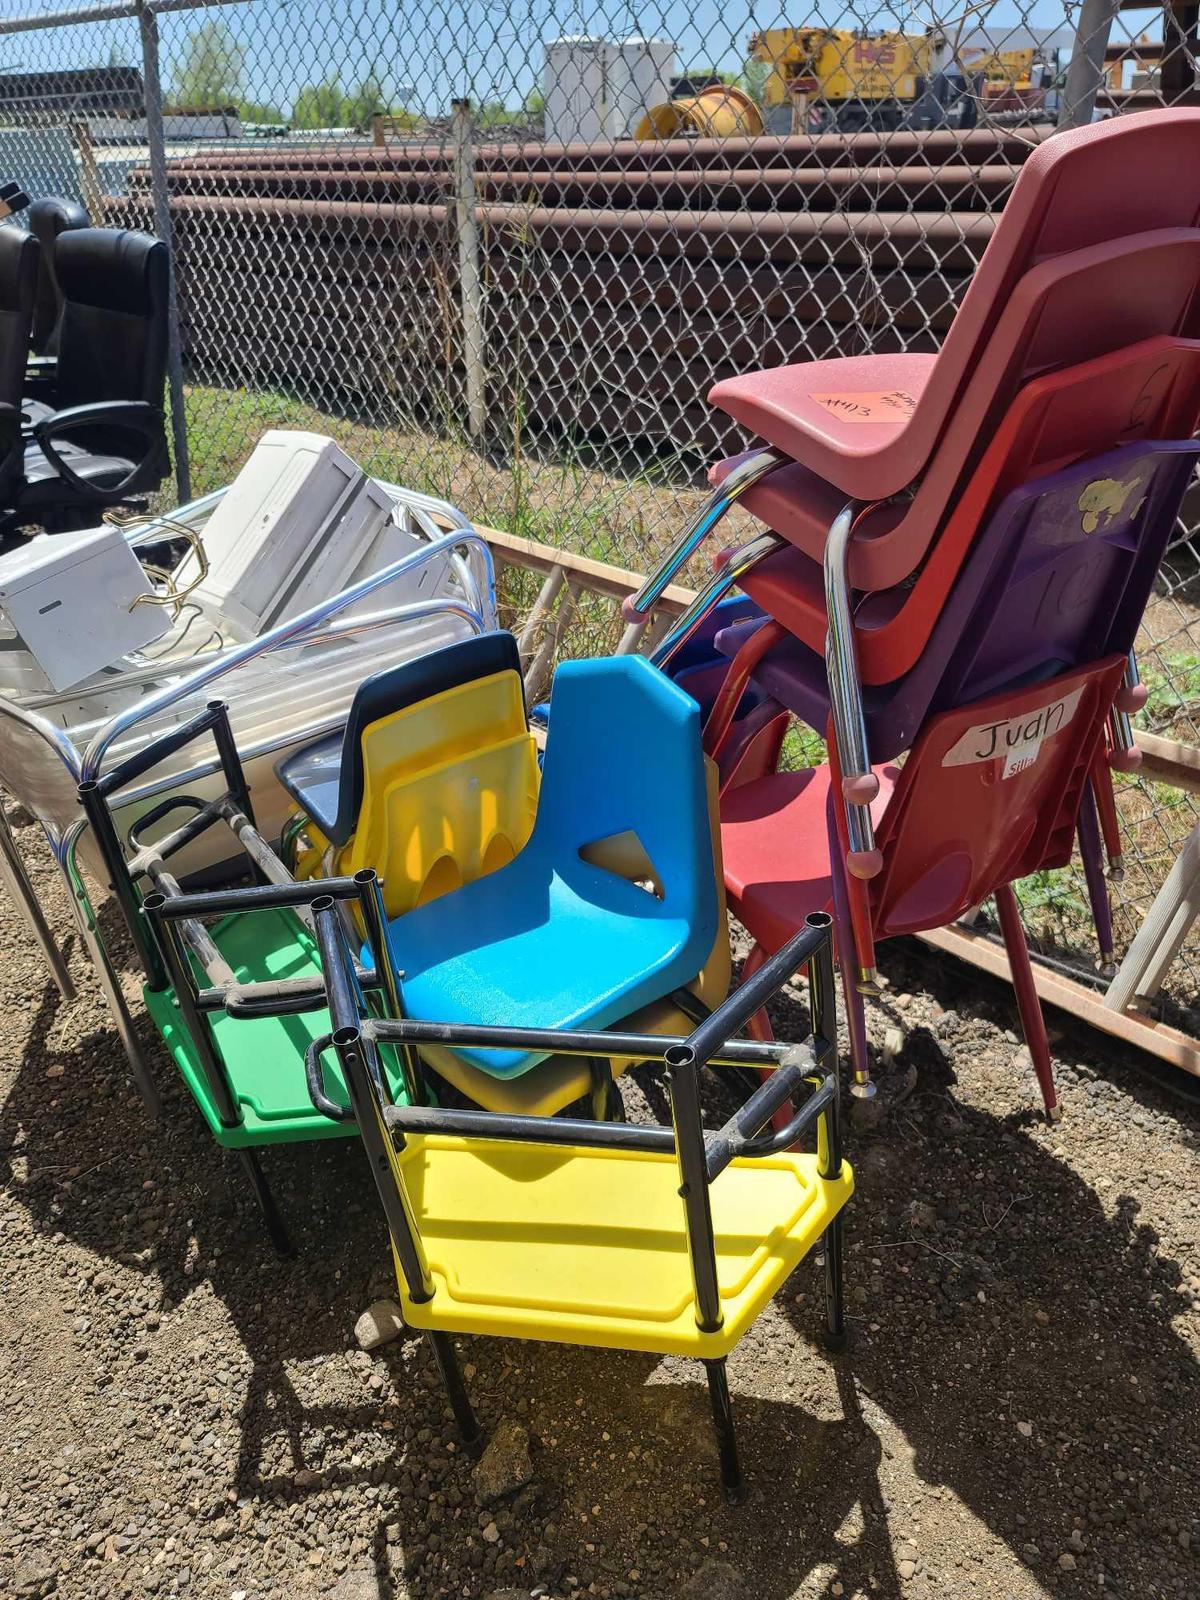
620,280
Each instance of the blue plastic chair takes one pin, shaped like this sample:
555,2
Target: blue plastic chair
552,940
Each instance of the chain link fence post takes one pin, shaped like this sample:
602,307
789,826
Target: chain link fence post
157,154
1085,71
470,283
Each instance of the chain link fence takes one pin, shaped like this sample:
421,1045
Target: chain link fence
502,251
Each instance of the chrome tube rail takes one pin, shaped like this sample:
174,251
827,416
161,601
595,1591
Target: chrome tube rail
415,611
726,575
637,608
859,784
1131,697
472,563
291,632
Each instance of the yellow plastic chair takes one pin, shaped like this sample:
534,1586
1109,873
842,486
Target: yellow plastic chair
433,782
631,1237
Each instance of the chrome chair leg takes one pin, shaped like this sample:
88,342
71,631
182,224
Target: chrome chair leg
110,983
859,783
738,564
16,881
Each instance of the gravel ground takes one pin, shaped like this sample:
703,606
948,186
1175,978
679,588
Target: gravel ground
181,1413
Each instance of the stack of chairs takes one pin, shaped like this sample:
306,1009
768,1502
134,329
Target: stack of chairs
958,553
457,944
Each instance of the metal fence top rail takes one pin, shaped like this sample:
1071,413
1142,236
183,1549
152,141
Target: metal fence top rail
103,13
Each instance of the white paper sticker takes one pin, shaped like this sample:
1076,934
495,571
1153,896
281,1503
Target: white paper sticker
1017,741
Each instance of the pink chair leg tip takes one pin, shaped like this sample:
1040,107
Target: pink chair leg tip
1132,700
721,559
864,864
1125,760
630,612
861,790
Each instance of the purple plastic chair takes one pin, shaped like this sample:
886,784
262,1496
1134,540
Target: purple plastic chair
1060,577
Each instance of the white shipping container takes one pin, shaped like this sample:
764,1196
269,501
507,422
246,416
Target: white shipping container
598,90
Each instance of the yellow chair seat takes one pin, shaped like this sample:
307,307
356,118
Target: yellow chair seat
587,1246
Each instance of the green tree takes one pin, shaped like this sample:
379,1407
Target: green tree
364,102
320,105
210,69
260,111
494,114
753,79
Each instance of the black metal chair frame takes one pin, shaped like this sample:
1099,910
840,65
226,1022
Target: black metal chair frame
809,1068
164,941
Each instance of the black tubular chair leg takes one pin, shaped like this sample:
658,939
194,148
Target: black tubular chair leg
456,1390
266,1203
835,1307
722,1410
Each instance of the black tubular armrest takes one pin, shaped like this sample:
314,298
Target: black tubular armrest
142,421
732,1015
316,1083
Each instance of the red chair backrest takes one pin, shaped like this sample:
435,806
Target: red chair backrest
1081,190
989,794
1149,391
1086,187
1074,308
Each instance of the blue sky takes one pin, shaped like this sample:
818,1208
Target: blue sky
487,48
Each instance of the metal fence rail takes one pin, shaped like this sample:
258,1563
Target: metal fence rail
437,234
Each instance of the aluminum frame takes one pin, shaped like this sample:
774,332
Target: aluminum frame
474,567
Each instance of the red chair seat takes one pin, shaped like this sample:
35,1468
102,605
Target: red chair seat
856,421
775,848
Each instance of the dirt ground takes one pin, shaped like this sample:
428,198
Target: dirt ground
183,1414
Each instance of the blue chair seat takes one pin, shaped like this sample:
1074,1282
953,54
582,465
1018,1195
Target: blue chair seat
553,940
530,948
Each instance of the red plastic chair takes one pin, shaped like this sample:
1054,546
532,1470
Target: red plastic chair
1092,188
1073,309
989,794
1127,176
1148,391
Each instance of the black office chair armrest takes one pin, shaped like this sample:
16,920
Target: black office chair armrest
138,418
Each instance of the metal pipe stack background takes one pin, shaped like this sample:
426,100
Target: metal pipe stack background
620,280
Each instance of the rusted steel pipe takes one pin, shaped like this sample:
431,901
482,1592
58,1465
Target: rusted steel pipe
948,239
935,146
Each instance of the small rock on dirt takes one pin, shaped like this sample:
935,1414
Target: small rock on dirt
360,1585
921,1215
504,1466
379,1324
715,1580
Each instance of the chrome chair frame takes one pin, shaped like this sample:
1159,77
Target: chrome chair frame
477,608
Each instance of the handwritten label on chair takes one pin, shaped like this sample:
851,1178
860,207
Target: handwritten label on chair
1017,741
868,405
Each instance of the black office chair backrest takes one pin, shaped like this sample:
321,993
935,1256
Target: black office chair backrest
19,255
112,343
47,218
